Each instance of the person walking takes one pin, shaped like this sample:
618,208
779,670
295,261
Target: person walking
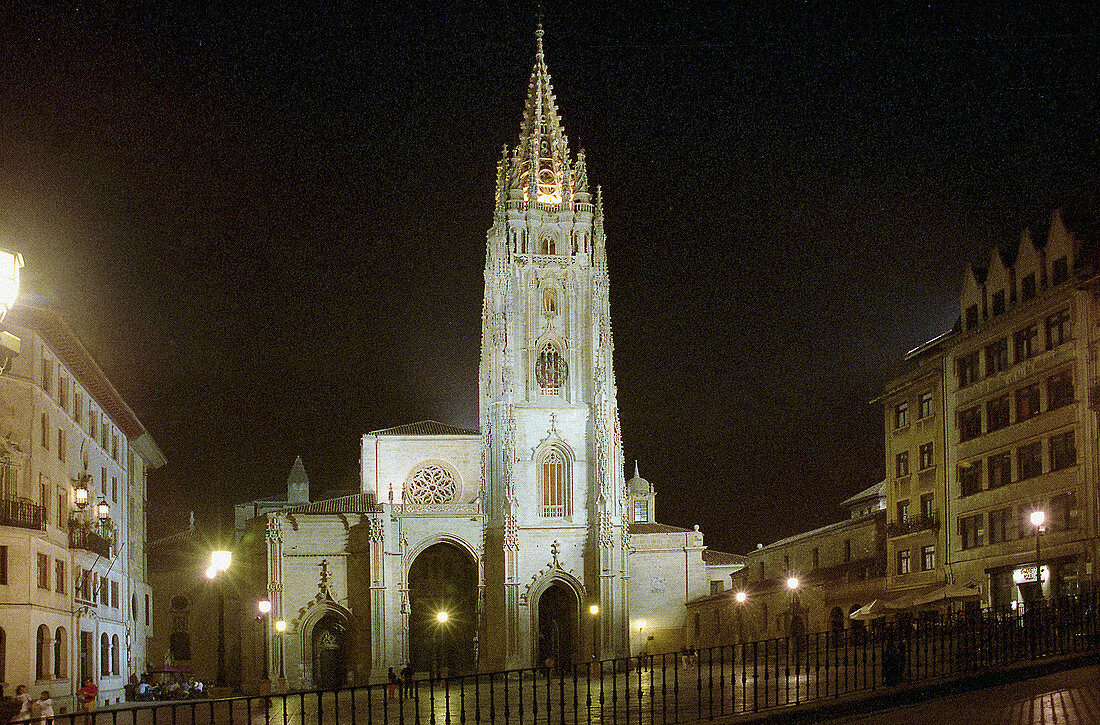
407,686
393,682
87,695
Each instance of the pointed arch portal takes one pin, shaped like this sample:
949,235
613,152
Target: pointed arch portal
330,650
558,612
442,578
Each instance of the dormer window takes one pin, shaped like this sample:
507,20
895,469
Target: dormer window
1027,287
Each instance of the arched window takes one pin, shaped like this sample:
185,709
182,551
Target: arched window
104,655
551,369
550,299
114,654
548,245
555,483
42,653
60,653
431,484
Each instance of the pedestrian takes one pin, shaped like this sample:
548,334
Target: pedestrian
24,700
44,706
87,695
407,687
392,682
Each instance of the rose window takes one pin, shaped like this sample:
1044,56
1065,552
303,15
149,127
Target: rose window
431,484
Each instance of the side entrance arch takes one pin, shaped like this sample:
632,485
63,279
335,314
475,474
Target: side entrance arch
330,648
558,616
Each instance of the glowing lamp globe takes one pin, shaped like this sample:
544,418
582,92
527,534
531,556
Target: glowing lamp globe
280,626
10,264
741,597
1038,518
442,617
792,583
221,560
264,606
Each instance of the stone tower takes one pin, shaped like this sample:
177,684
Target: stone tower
554,494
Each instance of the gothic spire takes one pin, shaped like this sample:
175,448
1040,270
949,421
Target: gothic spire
543,146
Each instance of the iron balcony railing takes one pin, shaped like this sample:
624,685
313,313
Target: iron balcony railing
82,536
913,524
675,687
21,512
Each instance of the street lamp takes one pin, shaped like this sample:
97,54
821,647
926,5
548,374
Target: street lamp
441,619
740,598
594,612
10,264
280,628
793,584
264,608
1038,519
220,562
102,510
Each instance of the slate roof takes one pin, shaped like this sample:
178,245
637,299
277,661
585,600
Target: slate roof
426,428
720,558
358,503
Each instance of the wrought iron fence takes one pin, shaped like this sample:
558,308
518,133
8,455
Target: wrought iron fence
675,687
21,512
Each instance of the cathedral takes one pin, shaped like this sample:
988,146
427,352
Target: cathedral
511,545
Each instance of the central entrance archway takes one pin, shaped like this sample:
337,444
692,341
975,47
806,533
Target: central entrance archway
558,611
442,578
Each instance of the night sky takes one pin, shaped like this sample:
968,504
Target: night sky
268,225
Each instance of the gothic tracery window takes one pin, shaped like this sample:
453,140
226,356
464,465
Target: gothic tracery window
550,370
555,483
431,484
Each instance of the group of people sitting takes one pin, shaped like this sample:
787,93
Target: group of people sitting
176,690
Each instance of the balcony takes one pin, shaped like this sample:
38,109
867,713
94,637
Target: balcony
22,512
83,536
912,525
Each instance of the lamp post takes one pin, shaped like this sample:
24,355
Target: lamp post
740,597
219,563
594,612
280,629
1038,519
793,584
264,608
441,619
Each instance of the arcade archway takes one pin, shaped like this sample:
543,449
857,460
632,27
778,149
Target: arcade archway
442,578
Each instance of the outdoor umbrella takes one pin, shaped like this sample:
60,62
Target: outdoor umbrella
878,608
946,593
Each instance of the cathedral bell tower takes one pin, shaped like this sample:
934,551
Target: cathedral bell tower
556,537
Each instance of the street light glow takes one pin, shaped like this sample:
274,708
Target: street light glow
442,617
211,572
594,609
1038,518
642,624
792,583
741,597
264,605
220,560
280,626
10,264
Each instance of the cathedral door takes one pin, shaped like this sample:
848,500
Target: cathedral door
443,610
557,625
329,653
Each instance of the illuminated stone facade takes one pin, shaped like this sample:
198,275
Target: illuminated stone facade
74,586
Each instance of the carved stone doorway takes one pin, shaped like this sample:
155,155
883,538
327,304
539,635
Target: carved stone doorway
330,646
557,615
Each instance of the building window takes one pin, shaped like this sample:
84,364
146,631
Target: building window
91,421
43,571
63,392
926,456
61,444
901,461
78,406
998,413
1000,469
970,478
146,610
104,592
1027,402
927,511
970,530
3,563
1060,390
550,370
903,561
971,317
556,483
716,587
1063,451
115,652
1063,511
104,655
641,510
1059,271
43,644
1029,460
903,511
1058,328
968,369
114,594
998,525
46,431
1024,343
59,576
996,356
901,415
925,410
44,498
1027,287
928,557
970,424
60,653
998,302
47,376
62,508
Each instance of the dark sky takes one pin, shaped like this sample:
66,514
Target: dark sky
268,224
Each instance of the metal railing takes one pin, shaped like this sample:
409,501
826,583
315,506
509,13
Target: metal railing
680,686
22,512
82,536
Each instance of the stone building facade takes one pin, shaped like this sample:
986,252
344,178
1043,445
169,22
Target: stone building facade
524,531
1004,406
72,580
